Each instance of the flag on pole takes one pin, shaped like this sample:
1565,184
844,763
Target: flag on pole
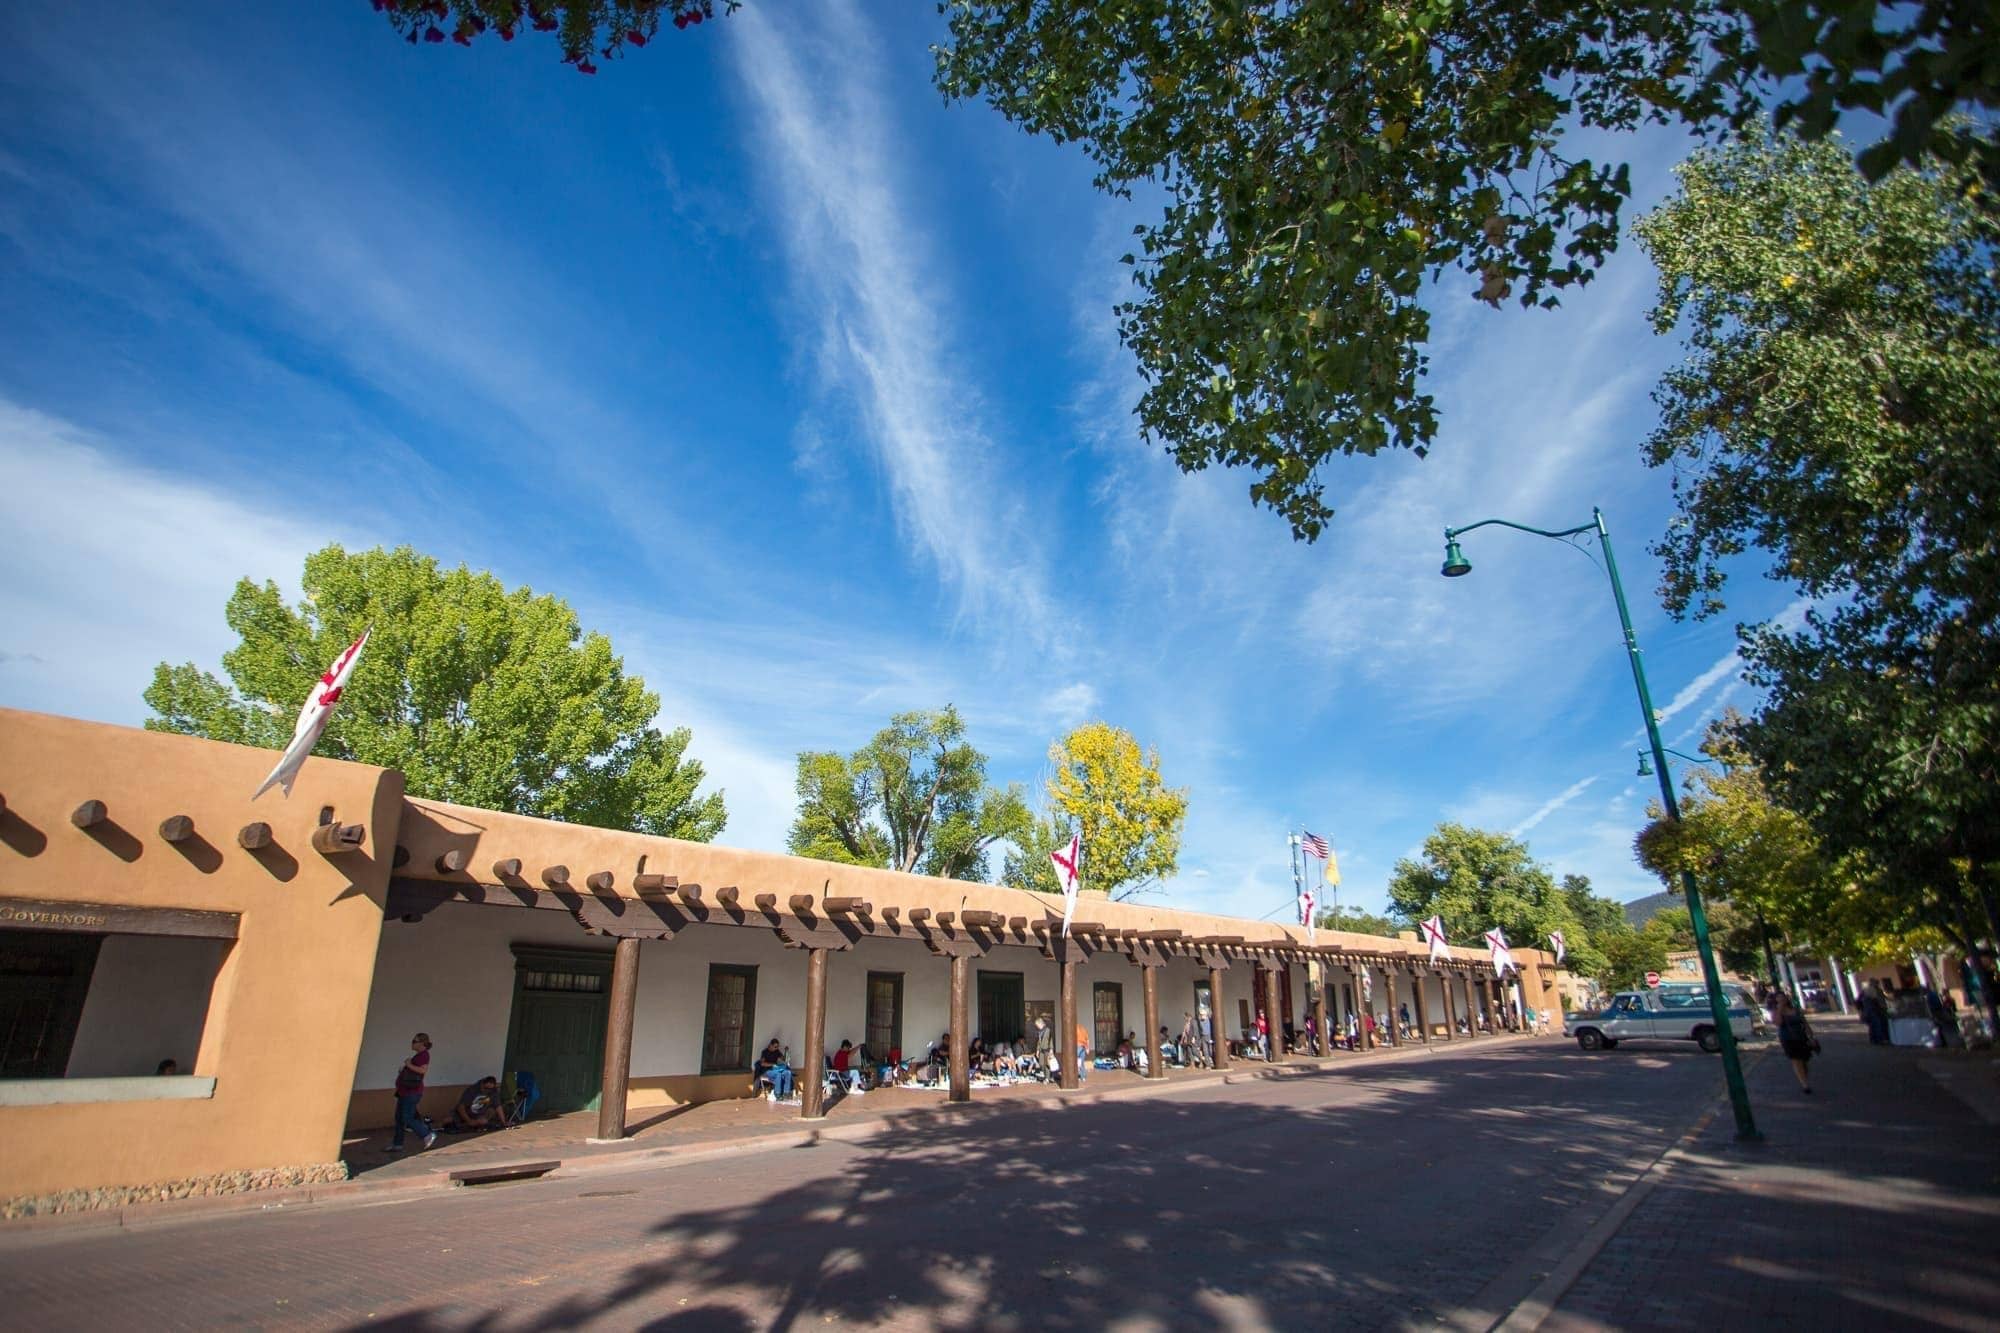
313,716
1306,912
1556,942
1434,936
1503,959
1315,845
1065,861
1332,869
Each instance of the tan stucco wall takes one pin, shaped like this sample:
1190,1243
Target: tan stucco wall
286,1014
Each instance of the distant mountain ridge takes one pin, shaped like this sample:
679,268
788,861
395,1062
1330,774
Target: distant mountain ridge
1641,910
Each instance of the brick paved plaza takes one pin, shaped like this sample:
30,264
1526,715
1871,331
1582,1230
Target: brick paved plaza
1441,1189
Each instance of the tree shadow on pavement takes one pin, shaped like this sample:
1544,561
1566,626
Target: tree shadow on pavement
1252,1205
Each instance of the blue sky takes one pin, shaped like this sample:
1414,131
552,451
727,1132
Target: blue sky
805,388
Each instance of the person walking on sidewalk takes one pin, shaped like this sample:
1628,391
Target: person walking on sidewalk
1795,1038
410,1091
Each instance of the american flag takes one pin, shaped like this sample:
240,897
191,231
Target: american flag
1315,845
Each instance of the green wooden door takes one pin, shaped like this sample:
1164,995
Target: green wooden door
561,1004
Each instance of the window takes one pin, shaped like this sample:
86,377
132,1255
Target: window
885,1013
97,1006
726,1028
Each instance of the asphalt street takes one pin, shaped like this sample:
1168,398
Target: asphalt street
1419,1192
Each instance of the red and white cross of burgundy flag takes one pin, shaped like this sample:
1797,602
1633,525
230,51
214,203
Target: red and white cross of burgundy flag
1306,912
1496,940
1556,942
1434,936
312,718
1065,861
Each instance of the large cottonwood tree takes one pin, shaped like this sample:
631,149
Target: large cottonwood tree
915,798
480,694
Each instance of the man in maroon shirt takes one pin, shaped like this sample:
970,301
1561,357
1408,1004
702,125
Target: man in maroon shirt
410,1091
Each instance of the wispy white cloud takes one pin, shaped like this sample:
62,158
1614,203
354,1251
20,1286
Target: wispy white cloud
1553,804
113,567
875,296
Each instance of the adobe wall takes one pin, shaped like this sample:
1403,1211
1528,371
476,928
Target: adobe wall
285,1015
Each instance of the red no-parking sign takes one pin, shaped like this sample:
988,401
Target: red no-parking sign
1653,979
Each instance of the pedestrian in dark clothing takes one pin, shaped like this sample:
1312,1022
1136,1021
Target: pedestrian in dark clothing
410,1092
1795,1038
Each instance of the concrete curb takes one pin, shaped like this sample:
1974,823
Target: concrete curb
363,1191
1536,1308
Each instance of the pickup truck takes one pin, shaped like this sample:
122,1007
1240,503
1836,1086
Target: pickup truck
1672,1013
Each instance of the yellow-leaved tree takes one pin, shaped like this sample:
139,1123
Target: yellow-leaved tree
1105,788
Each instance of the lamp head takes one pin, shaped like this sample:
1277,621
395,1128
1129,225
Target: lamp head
1645,765
1455,563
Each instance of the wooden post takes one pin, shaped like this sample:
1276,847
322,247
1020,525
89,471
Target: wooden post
1389,994
1273,1016
1318,975
618,1041
961,1040
1363,1006
1218,1035
1423,1013
1450,1018
1066,1059
811,1071
1156,1067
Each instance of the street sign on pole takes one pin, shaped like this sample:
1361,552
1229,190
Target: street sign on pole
1653,980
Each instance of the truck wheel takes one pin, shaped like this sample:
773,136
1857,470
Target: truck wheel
1590,1039
1709,1039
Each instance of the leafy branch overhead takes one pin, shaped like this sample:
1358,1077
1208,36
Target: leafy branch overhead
1323,164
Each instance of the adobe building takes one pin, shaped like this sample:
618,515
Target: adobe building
283,952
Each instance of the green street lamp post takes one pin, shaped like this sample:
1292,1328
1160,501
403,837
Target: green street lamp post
1456,566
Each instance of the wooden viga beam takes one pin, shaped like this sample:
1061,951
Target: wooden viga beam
852,905
1086,927
978,920
1220,939
1161,934
649,885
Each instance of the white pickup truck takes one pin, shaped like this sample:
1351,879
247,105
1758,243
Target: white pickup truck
1673,1013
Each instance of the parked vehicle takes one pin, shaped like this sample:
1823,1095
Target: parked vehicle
1666,1013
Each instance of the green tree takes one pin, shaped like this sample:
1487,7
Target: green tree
1476,880
914,799
1837,412
1105,788
1359,922
477,694
1631,954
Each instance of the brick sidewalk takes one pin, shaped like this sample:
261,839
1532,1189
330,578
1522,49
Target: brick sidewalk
1874,1202
742,1121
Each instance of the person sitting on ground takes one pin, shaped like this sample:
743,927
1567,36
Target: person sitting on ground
1125,1052
479,1107
168,1068
772,1068
844,1069
978,1059
866,1063
1169,1053
1005,1063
